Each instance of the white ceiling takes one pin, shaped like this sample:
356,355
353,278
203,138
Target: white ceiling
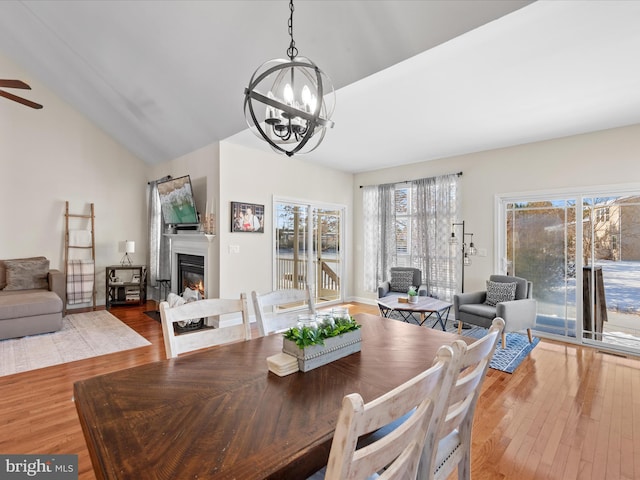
415,80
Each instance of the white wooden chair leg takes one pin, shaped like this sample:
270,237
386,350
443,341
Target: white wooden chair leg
459,327
504,340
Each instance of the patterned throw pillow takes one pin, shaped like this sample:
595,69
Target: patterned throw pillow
500,292
401,280
27,273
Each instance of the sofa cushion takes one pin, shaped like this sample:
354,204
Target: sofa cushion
401,280
500,292
29,304
26,273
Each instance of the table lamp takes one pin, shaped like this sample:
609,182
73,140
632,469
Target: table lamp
129,247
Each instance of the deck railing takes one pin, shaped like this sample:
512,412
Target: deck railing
293,274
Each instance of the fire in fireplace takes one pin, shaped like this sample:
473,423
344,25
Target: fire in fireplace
190,273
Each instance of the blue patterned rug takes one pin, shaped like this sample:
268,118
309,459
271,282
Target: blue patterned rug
504,359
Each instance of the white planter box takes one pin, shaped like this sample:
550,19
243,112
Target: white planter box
318,355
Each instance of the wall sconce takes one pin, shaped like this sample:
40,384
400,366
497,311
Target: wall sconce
467,251
129,247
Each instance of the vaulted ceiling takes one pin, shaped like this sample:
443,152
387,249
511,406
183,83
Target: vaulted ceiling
415,80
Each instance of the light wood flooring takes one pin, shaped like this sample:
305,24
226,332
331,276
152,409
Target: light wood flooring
566,413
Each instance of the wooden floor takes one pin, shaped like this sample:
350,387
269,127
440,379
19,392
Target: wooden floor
566,413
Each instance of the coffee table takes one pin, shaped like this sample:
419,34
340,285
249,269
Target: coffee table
425,306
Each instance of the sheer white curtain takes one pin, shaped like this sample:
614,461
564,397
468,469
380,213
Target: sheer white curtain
435,207
435,210
379,220
159,261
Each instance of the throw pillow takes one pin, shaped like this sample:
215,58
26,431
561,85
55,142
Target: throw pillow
500,292
27,273
401,280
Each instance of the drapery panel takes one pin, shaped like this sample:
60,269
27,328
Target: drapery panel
434,208
159,261
379,233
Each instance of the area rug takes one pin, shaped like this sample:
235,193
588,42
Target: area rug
83,335
505,360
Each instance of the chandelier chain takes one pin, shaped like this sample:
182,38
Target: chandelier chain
292,51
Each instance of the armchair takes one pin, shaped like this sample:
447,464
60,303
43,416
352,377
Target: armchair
401,279
518,314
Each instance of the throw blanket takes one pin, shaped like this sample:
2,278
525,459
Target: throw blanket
80,274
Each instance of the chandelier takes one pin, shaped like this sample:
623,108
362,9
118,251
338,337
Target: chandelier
289,103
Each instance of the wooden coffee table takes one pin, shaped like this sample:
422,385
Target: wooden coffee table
425,306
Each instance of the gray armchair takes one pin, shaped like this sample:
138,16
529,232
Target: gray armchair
401,278
518,314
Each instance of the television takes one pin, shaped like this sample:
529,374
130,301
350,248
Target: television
177,203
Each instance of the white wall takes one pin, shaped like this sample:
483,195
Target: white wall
51,155
255,176
203,166
607,157
239,174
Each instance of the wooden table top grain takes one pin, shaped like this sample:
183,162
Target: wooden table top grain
220,414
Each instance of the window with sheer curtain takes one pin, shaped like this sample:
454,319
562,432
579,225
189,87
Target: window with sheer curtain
409,224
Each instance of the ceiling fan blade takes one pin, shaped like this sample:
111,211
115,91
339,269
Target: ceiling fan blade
21,100
14,84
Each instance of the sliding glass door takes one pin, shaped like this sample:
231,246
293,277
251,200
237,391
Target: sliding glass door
540,246
308,248
611,271
582,253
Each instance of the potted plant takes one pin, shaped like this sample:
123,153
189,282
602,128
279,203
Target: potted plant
323,342
413,294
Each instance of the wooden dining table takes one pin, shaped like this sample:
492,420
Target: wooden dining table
220,414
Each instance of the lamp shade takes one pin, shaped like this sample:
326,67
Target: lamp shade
129,246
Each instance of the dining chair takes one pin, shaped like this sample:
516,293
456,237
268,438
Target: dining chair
420,402
453,444
266,307
176,344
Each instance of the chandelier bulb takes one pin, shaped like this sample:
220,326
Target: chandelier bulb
306,96
288,94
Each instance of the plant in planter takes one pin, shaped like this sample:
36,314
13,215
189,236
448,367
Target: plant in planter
316,345
305,336
413,294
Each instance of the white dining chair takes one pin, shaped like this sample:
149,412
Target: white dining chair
176,344
273,309
453,445
420,402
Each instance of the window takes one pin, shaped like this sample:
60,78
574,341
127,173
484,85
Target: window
403,224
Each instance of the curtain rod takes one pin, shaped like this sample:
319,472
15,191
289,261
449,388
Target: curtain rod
166,177
408,181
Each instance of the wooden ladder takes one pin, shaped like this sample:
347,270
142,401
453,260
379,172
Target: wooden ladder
67,246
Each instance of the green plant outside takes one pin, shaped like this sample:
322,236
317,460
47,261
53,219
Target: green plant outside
307,336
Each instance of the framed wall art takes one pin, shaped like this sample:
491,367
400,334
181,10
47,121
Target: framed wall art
247,217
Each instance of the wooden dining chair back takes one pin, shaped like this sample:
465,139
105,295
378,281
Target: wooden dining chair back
422,400
273,309
453,447
177,343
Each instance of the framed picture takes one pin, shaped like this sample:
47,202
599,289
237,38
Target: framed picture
247,217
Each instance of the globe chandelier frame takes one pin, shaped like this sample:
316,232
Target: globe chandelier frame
289,103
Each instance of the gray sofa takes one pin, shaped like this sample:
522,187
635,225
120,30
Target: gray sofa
31,297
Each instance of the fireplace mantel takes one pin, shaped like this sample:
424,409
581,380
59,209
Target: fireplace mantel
192,244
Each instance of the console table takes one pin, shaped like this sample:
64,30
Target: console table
125,285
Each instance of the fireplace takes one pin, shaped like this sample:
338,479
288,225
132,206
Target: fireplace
194,245
191,273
